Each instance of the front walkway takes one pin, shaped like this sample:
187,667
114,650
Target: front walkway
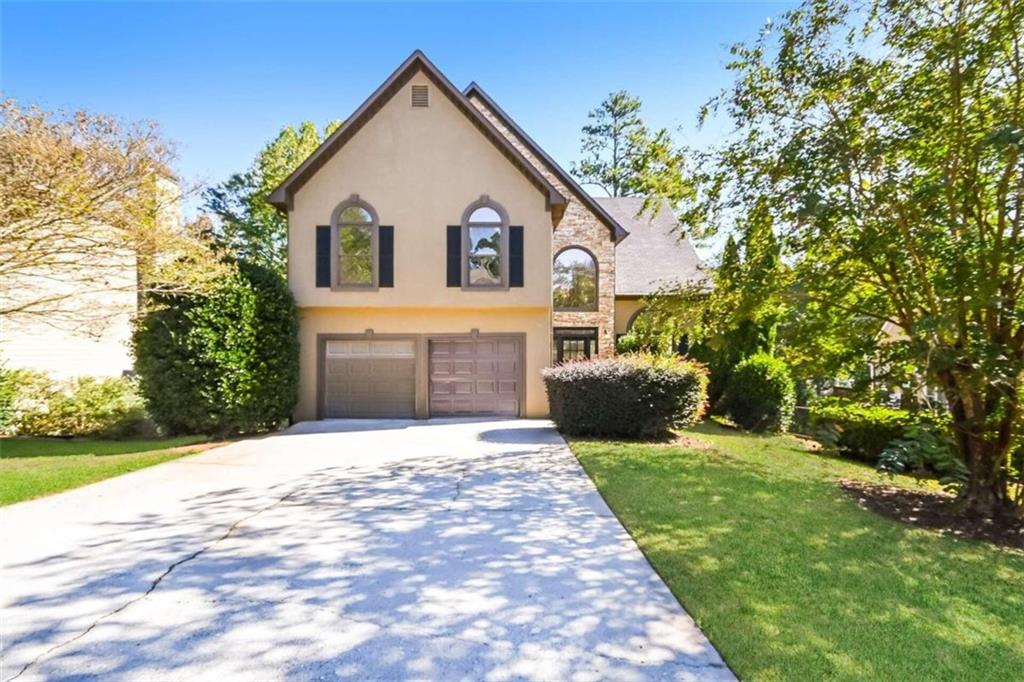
365,549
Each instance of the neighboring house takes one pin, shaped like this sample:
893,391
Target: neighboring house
91,335
440,259
909,393
64,350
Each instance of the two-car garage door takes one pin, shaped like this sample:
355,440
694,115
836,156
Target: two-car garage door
377,378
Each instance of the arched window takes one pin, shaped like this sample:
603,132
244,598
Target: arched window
485,238
355,241
574,280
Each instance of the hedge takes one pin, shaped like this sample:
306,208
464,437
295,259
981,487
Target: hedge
224,362
631,396
760,394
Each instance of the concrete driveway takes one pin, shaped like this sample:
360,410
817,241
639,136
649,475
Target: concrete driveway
362,549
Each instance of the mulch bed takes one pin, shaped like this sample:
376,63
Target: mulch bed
937,511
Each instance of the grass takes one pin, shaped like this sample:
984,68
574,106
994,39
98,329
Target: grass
791,580
33,467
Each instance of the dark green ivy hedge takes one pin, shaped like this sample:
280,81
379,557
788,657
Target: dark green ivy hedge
630,396
221,363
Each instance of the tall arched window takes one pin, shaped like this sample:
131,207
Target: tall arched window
485,236
574,280
355,243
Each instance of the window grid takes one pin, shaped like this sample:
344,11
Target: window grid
573,344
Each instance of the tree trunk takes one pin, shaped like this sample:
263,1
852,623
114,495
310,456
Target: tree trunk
986,491
984,447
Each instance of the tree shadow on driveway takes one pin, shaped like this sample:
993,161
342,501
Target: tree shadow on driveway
502,566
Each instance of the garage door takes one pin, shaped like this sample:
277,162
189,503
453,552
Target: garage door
475,376
364,378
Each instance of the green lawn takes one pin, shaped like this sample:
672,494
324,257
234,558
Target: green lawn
41,466
792,580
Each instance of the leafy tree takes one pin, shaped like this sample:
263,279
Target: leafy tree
885,140
624,158
224,362
609,144
88,210
670,317
740,316
248,227
658,172
748,304
729,274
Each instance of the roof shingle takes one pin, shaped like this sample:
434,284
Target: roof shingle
653,256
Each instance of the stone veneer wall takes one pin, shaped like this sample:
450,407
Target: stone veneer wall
578,227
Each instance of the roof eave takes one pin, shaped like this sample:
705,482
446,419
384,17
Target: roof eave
279,199
282,196
618,231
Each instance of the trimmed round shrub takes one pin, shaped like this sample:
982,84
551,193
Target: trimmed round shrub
631,396
224,362
860,432
760,394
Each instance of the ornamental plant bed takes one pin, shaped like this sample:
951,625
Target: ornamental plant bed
935,510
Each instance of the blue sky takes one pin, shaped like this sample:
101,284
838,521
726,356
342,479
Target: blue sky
221,78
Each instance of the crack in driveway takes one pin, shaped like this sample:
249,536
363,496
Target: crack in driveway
483,558
153,585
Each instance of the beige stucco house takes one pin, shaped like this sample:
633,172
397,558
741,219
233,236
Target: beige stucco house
440,259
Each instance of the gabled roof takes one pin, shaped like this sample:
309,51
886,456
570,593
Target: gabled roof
281,197
618,231
655,255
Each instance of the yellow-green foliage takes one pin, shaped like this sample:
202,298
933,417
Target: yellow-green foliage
86,406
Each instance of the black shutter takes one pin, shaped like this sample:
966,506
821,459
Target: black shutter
455,255
515,256
323,255
386,256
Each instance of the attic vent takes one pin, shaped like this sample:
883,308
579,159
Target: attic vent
420,96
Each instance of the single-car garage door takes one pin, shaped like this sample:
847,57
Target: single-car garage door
369,378
475,376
